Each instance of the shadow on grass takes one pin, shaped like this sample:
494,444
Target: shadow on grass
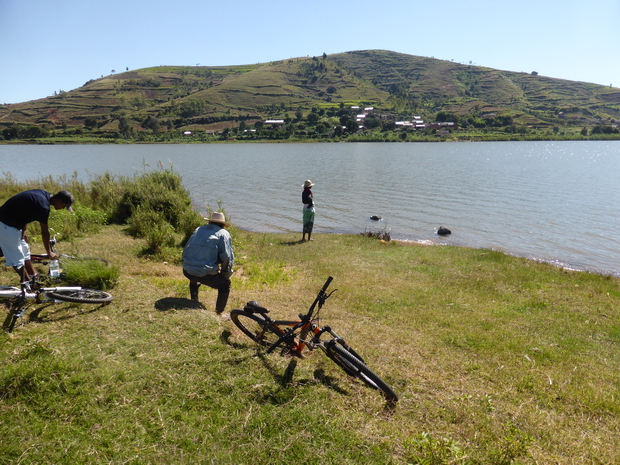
177,303
293,242
286,379
35,317
225,339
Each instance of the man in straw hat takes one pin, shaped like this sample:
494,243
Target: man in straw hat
208,259
16,213
308,210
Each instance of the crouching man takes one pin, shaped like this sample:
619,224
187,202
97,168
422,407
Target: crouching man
208,259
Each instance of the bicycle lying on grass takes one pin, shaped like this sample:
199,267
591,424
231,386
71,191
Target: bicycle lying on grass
18,299
42,290
292,337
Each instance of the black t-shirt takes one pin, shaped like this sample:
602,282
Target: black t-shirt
26,207
306,196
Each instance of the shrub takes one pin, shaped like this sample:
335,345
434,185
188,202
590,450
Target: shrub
106,192
155,205
152,226
82,221
159,191
188,222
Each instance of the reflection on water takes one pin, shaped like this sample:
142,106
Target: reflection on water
556,201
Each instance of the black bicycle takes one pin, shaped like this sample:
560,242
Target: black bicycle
292,337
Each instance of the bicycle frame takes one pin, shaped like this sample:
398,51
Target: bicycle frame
295,336
12,291
39,295
297,332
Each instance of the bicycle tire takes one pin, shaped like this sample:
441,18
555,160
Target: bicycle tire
354,366
256,327
83,296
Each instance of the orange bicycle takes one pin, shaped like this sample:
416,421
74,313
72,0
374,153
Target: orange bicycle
292,337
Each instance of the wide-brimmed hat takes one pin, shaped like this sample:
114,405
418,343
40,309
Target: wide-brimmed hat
218,217
66,198
308,183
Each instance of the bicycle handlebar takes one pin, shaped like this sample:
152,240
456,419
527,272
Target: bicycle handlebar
320,298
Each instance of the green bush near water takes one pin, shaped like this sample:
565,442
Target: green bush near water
154,205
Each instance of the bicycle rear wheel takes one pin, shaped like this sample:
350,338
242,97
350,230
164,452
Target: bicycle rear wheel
83,296
256,327
354,366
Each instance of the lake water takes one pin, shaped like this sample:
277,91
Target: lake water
551,201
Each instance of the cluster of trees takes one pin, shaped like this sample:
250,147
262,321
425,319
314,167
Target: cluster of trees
18,132
476,120
600,129
320,123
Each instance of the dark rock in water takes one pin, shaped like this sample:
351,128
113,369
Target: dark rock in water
443,231
376,218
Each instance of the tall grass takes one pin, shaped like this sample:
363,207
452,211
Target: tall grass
154,205
92,273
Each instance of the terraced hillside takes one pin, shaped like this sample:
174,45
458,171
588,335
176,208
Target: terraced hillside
397,86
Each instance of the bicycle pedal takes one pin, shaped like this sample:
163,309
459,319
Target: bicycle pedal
18,313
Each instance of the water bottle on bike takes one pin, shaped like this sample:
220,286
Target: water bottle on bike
55,269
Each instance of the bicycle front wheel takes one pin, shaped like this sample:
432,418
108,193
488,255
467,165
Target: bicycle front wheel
256,327
83,296
354,366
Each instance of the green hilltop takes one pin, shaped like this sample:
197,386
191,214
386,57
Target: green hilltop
318,97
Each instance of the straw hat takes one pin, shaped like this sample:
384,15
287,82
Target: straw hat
308,183
218,217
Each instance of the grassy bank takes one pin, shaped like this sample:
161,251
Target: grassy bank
496,359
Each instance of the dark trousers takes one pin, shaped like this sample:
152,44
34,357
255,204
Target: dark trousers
215,281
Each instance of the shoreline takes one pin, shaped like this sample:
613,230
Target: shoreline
556,262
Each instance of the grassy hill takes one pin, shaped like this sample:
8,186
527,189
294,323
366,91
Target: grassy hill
460,88
173,99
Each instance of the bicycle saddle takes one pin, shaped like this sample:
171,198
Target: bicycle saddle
253,306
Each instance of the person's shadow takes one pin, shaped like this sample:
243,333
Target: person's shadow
177,303
293,242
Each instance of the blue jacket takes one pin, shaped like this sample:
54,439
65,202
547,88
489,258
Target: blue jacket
208,251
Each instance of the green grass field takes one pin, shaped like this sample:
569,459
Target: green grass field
496,360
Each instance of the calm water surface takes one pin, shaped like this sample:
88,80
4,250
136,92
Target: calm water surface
553,201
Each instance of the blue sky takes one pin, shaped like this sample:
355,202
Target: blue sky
47,46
